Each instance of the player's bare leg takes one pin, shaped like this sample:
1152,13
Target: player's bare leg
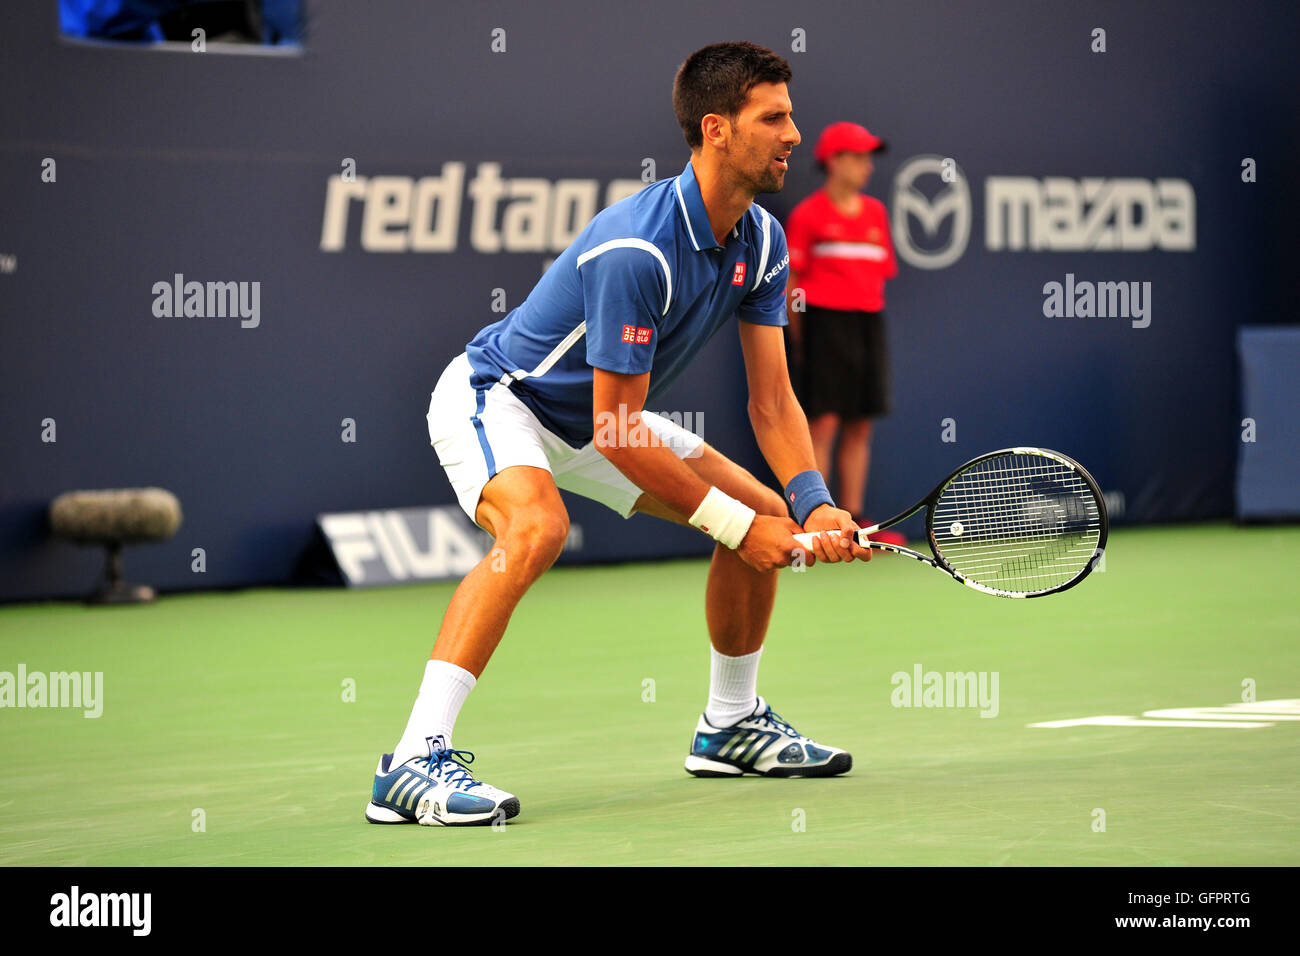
822,428
738,600
521,508
853,463
425,780
738,732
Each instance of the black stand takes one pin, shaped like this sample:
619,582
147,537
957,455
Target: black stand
114,590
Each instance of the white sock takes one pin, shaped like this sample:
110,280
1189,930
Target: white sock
442,693
733,683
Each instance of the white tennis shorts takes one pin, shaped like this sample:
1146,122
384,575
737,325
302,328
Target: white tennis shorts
478,437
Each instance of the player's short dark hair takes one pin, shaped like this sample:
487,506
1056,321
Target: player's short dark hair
717,79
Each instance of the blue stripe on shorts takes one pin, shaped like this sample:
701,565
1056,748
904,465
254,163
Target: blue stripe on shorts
482,438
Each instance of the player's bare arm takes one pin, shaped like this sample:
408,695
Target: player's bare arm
769,544
781,430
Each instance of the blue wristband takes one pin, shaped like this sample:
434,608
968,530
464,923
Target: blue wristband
806,492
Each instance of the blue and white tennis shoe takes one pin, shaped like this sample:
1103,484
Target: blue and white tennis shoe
762,744
437,791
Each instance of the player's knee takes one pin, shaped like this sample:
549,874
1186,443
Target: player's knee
538,536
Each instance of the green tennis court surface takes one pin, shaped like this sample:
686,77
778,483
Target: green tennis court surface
232,704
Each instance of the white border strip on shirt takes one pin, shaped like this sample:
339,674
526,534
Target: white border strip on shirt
767,243
634,243
545,365
581,329
681,201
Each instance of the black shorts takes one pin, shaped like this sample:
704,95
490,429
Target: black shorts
845,364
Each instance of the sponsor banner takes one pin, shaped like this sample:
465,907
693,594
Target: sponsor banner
932,210
401,545
390,213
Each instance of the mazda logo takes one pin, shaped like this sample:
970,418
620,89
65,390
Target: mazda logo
918,219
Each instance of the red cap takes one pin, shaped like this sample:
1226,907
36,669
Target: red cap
845,137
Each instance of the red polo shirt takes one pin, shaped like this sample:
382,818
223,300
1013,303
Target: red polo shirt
841,262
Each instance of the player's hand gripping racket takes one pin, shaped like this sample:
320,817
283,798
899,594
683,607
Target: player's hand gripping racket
1020,522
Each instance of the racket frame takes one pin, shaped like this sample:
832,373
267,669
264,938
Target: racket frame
936,560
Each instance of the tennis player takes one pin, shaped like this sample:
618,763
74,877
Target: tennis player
553,396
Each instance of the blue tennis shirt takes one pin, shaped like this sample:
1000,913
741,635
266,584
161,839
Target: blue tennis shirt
642,289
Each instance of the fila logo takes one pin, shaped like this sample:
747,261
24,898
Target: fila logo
636,334
738,274
402,544
407,544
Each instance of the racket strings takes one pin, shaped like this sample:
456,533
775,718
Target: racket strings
1018,523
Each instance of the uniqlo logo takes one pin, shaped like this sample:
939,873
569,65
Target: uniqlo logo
738,276
636,334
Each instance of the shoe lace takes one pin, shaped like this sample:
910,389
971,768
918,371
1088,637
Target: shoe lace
450,766
770,716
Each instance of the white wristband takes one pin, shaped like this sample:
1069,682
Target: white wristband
723,517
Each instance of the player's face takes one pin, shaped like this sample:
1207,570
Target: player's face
764,135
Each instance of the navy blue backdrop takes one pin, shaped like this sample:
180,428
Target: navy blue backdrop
217,166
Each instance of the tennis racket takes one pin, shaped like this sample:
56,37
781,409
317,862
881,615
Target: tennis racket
1018,523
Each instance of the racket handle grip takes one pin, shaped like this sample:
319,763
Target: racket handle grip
805,538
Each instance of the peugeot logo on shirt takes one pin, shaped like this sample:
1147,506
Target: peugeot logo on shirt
918,219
